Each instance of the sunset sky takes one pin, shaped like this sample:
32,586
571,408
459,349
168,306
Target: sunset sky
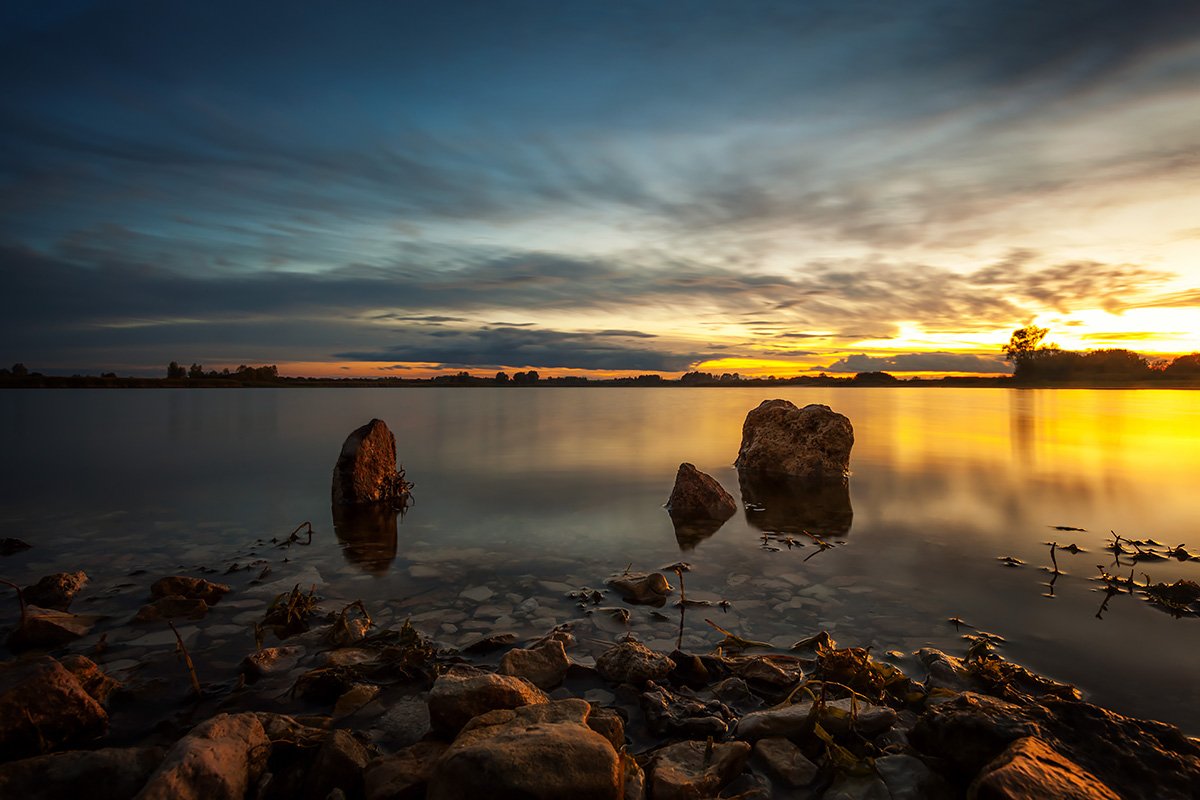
595,187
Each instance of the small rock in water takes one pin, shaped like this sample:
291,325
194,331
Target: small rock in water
45,628
697,495
633,663
93,679
403,774
681,715
172,607
641,588
358,696
43,704
338,765
1030,768
476,593
191,588
544,666
56,591
784,762
273,660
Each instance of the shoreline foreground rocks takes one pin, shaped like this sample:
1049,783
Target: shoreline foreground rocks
812,443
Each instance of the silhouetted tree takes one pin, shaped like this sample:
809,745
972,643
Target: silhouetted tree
196,371
174,371
1184,366
501,377
19,370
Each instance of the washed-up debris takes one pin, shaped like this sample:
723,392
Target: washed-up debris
294,536
291,612
1010,561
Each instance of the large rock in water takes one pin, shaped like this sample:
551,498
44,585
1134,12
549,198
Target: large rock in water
220,759
366,468
813,442
699,496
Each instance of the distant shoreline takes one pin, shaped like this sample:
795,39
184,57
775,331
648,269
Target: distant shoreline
857,381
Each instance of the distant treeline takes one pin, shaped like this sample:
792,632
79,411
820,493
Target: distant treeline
1040,364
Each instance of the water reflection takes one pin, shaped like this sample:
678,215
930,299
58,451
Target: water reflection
367,535
691,532
790,505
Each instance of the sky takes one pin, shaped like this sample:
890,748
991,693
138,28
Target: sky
595,188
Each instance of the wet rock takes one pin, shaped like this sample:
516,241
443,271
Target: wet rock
403,775
907,778
837,717
191,588
366,467
355,698
633,663
641,588
685,770
634,778
339,764
47,628
9,546
56,591
490,643
857,787
697,496
113,773
541,751
272,661
771,672
945,671
544,666
43,706
813,442
172,607
784,762
220,759
280,728
734,693
462,694
405,722
347,657
969,731
609,723
93,679
682,715
1030,769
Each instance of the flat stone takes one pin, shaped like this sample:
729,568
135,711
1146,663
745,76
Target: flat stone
355,698
47,628
476,593
338,765
641,588
172,607
405,722
699,496
836,717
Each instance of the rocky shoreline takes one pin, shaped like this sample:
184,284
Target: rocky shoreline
339,706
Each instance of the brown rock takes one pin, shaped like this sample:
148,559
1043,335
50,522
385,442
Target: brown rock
813,442
191,588
641,588
172,607
46,628
43,706
402,775
633,663
56,591
220,759
272,661
971,730
544,666
338,764
686,770
537,752
93,679
113,773
462,694
837,717
698,496
1030,770
784,762
366,467
609,723
355,698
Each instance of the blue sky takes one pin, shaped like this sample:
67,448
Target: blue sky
625,186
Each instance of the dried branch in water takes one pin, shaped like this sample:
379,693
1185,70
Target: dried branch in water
20,599
186,657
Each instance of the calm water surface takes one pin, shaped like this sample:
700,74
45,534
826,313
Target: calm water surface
525,494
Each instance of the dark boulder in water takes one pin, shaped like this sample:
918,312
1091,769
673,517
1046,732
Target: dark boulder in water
697,496
813,442
366,467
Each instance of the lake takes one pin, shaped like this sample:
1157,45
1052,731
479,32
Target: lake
523,495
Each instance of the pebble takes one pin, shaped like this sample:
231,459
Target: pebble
476,593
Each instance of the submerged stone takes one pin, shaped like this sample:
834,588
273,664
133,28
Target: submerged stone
46,628
191,588
56,591
688,770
